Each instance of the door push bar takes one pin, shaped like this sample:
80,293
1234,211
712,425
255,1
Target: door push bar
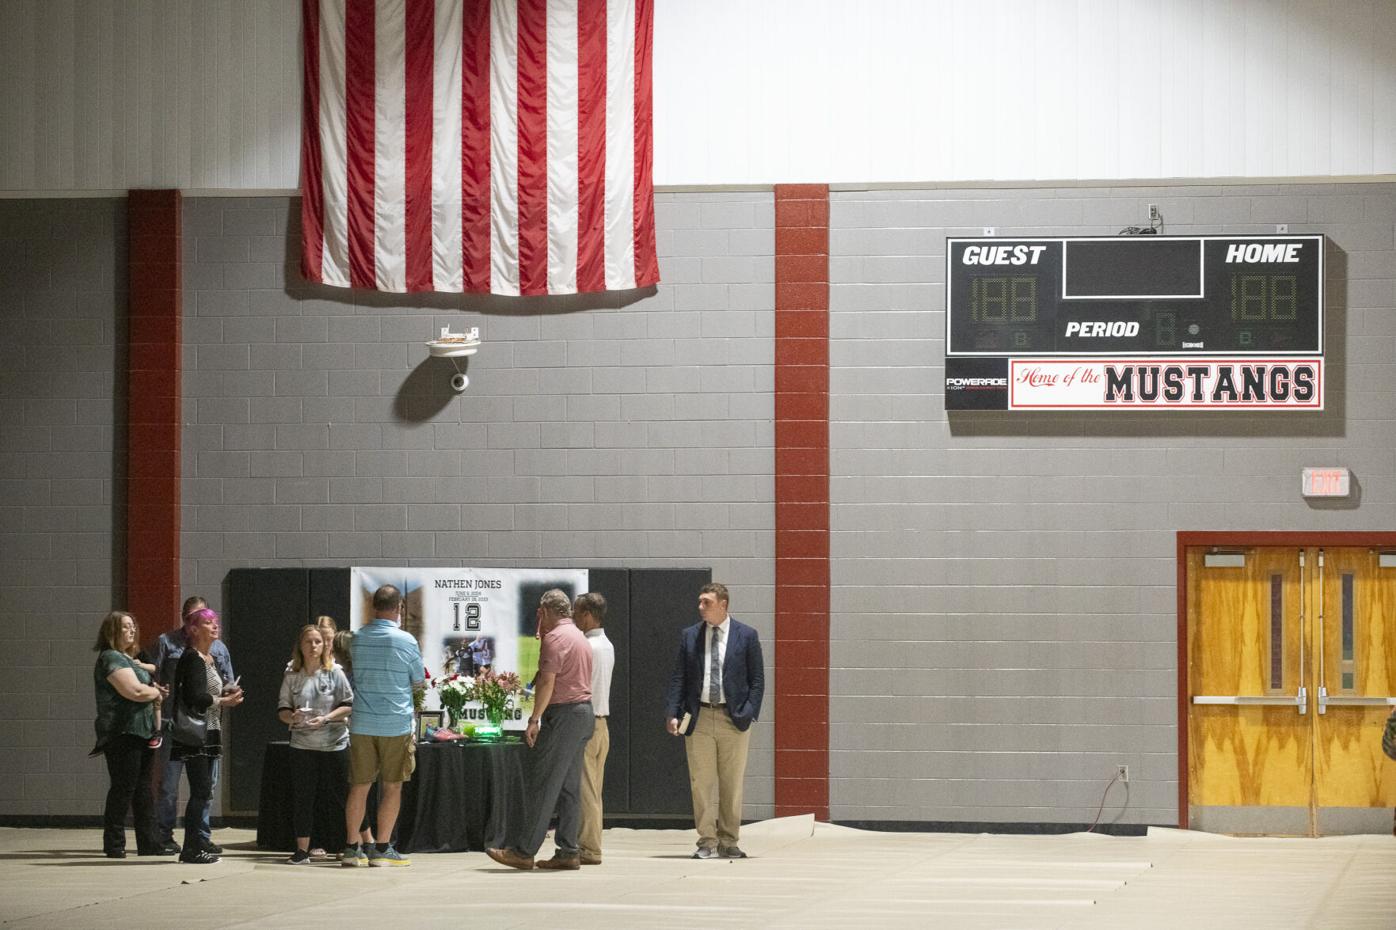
1356,701
1300,700
1322,632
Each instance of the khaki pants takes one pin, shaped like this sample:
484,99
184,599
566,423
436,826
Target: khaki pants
593,778
716,766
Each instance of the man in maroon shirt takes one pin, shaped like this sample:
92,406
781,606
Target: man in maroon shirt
561,724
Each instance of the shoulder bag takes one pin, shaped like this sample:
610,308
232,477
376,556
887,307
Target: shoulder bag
187,729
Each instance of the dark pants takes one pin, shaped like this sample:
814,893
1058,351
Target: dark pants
167,800
199,771
129,766
317,774
556,779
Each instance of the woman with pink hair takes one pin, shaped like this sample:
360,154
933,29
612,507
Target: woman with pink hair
199,698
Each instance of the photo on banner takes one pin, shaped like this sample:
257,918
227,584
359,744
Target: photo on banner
468,619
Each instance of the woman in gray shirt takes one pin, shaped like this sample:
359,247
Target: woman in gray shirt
315,702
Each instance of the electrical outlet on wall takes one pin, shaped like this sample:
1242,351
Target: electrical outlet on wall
1153,213
1122,773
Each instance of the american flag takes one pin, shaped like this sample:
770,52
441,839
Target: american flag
483,146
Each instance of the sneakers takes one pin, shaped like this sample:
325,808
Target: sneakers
353,857
705,852
387,858
510,858
730,852
201,857
590,860
212,848
299,857
560,863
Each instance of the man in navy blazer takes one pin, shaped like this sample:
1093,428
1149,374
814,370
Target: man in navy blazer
714,697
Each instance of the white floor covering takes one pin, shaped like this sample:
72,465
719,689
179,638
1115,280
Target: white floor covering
801,875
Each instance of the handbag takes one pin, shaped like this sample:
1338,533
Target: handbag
186,728
1388,737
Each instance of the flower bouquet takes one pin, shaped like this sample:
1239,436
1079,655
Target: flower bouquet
494,691
454,693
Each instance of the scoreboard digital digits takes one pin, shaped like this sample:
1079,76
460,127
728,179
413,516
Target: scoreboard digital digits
1141,306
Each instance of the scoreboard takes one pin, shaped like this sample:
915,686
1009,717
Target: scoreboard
1135,322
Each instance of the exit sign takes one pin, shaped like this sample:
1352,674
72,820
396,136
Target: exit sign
1327,482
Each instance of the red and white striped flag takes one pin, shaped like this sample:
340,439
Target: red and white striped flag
485,146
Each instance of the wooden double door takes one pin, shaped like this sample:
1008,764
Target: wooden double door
1291,674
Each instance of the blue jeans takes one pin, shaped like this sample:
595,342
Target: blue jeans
168,806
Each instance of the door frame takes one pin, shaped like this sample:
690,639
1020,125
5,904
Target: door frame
1188,539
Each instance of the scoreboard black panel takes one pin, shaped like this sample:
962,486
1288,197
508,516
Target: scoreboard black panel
1166,297
1155,294
1141,269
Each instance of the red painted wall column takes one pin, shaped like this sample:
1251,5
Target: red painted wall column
154,367
802,500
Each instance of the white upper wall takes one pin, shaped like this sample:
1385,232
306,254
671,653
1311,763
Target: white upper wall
205,94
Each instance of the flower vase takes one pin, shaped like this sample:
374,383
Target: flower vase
495,715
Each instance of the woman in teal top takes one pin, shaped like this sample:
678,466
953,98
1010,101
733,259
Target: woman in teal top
126,702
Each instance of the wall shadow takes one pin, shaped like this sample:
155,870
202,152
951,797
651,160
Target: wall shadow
427,389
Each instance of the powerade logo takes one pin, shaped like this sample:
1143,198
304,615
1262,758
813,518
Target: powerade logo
976,382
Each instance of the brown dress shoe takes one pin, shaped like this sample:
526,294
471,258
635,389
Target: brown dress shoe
561,863
510,858
590,860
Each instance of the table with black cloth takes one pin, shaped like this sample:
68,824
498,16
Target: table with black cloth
463,796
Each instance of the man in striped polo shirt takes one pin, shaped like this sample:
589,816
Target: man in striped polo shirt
387,669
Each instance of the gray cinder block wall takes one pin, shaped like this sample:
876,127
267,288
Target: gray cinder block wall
62,527
1003,604
1004,613
594,432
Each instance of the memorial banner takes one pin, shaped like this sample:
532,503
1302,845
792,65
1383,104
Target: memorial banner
469,619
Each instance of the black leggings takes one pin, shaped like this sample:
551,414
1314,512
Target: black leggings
317,774
129,766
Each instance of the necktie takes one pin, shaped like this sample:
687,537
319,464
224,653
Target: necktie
715,668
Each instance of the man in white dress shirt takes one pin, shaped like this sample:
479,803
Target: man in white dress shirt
589,613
